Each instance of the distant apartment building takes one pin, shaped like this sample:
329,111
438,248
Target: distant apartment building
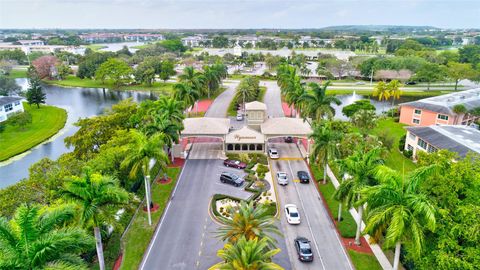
143,37
455,138
440,110
194,41
10,106
32,42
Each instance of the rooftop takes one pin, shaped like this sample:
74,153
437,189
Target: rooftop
445,103
8,100
456,138
255,105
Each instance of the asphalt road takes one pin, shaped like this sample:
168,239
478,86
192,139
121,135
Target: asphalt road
272,99
220,105
316,224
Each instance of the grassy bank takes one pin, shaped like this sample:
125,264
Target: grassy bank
395,159
73,81
17,73
96,47
363,261
46,122
365,92
140,233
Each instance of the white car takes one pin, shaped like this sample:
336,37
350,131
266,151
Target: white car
239,117
292,214
282,178
273,153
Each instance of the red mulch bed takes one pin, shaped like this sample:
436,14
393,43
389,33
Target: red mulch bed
153,209
286,109
163,181
178,162
118,262
203,105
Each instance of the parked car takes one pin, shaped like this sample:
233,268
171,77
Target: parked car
304,250
410,83
273,153
288,139
303,177
291,212
239,116
282,178
234,164
231,178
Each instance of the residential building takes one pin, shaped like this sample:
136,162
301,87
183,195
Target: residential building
440,110
194,41
33,42
9,106
455,138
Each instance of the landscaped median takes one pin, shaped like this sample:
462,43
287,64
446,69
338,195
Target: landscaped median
139,234
46,122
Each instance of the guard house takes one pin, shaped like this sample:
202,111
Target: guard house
245,140
256,114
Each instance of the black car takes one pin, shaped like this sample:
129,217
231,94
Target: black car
304,250
410,83
232,179
303,177
288,139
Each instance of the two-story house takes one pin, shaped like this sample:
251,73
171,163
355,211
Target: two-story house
449,109
9,106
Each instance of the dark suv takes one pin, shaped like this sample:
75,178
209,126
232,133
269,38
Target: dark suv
303,177
232,179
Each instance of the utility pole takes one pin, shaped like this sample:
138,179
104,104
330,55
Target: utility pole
371,77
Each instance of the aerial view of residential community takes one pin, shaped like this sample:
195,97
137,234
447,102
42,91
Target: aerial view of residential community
240,135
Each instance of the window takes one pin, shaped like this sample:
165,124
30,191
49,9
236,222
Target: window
230,147
442,117
8,107
417,111
17,103
416,121
259,147
409,147
251,147
422,144
431,149
237,147
244,147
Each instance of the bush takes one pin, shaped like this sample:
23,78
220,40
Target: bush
250,177
250,166
387,140
401,143
408,153
233,156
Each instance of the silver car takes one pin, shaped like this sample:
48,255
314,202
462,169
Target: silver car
282,178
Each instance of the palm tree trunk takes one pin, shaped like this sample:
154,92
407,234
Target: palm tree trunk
393,104
98,243
396,260
456,84
339,218
324,172
147,196
359,225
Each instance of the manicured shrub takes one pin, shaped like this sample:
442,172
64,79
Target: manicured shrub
408,153
401,143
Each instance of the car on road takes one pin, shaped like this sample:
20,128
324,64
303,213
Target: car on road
288,139
303,177
237,164
282,178
273,153
239,117
410,83
304,250
231,178
359,83
291,213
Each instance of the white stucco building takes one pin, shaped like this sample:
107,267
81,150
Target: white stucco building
10,106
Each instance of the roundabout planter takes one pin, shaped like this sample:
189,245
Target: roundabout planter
152,209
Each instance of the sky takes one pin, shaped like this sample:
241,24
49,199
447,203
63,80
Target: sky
222,14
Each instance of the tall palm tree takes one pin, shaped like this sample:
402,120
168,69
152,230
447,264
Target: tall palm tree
399,210
171,107
97,196
213,78
250,222
187,94
318,103
364,120
141,151
361,167
40,239
325,141
192,78
295,93
247,254
394,90
381,91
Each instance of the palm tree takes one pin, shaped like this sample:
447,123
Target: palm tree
192,78
171,107
247,254
399,210
460,110
213,78
318,103
184,92
141,151
325,145
365,120
361,167
394,90
96,195
250,222
41,239
381,91
294,96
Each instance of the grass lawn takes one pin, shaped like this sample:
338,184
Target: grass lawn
363,261
347,226
365,92
46,122
232,110
138,236
73,81
96,47
17,73
395,159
